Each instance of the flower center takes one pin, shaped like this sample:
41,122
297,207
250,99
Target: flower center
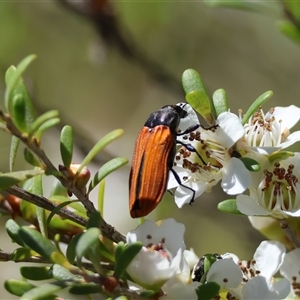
159,247
248,269
263,131
280,189
296,286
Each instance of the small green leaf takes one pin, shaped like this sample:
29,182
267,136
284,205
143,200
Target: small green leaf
85,289
12,178
58,258
220,102
251,164
61,273
71,250
21,254
59,190
31,158
87,241
100,198
148,294
19,112
94,220
45,126
14,146
66,145
196,94
57,209
37,189
12,229
119,250
15,85
35,273
256,104
51,114
17,287
34,240
126,257
280,155
44,290
107,139
229,206
290,30
207,291
106,169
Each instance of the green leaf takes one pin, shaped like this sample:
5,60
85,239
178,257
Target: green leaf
66,145
106,140
15,85
85,289
255,6
19,113
37,189
94,220
106,169
57,209
17,287
61,273
119,250
251,164
59,190
100,198
35,273
12,178
34,240
45,126
12,229
71,250
207,291
87,241
148,294
256,104
31,158
220,102
15,142
280,155
196,94
74,203
51,114
44,290
21,253
289,29
229,206
126,257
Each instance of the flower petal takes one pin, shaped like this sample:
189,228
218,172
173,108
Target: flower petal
289,115
226,273
269,256
250,207
230,129
236,178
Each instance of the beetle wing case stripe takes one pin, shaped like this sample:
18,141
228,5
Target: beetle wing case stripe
149,170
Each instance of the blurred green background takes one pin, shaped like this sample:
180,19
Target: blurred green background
97,89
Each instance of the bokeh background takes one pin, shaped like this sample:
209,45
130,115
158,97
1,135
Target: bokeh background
98,85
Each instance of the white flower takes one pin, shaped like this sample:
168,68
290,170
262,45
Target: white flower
213,159
290,269
161,257
275,189
258,282
271,131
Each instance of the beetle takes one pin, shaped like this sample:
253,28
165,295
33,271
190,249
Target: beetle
153,158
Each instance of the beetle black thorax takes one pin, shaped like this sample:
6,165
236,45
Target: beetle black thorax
168,115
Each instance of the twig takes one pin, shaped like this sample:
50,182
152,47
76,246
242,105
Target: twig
107,230
289,233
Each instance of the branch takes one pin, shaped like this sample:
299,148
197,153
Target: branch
289,233
107,230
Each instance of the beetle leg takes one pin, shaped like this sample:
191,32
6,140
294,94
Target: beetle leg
180,183
192,149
